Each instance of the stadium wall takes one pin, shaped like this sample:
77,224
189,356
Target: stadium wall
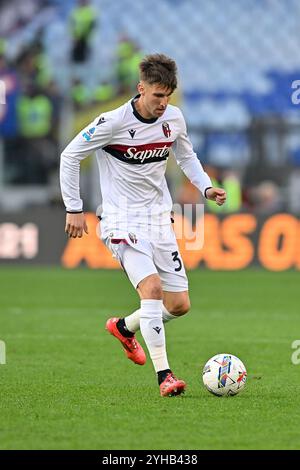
231,242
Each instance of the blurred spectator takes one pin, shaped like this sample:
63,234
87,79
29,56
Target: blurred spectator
82,24
229,180
103,92
35,112
43,73
80,94
266,198
34,153
33,65
127,71
83,95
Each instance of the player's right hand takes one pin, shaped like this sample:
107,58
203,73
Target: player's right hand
75,225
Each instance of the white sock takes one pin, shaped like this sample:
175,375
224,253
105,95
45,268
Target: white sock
153,332
167,316
132,322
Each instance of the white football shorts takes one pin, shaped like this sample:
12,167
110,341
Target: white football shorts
152,251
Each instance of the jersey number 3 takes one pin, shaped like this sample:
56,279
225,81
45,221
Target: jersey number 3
175,258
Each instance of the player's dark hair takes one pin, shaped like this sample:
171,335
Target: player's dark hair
159,69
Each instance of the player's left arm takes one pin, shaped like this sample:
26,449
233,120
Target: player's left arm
192,168
216,194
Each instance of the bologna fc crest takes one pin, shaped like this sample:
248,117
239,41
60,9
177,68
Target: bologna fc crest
166,129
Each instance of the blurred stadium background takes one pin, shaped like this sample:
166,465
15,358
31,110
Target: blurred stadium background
63,62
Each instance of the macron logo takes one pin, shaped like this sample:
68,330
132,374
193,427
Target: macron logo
132,132
157,329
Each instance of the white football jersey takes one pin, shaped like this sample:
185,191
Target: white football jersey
132,155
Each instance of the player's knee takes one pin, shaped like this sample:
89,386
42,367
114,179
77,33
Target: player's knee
181,308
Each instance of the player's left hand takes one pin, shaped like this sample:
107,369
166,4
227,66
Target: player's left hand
216,194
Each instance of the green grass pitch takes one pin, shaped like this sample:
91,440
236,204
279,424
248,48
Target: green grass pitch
68,385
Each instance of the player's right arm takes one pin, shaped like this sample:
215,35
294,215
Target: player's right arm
96,135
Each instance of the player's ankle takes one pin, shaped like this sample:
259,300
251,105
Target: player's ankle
162,374
123,329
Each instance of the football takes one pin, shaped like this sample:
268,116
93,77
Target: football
224,375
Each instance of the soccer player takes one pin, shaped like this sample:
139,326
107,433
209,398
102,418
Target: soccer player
132,145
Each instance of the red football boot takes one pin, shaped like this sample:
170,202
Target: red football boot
131,346
172,386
